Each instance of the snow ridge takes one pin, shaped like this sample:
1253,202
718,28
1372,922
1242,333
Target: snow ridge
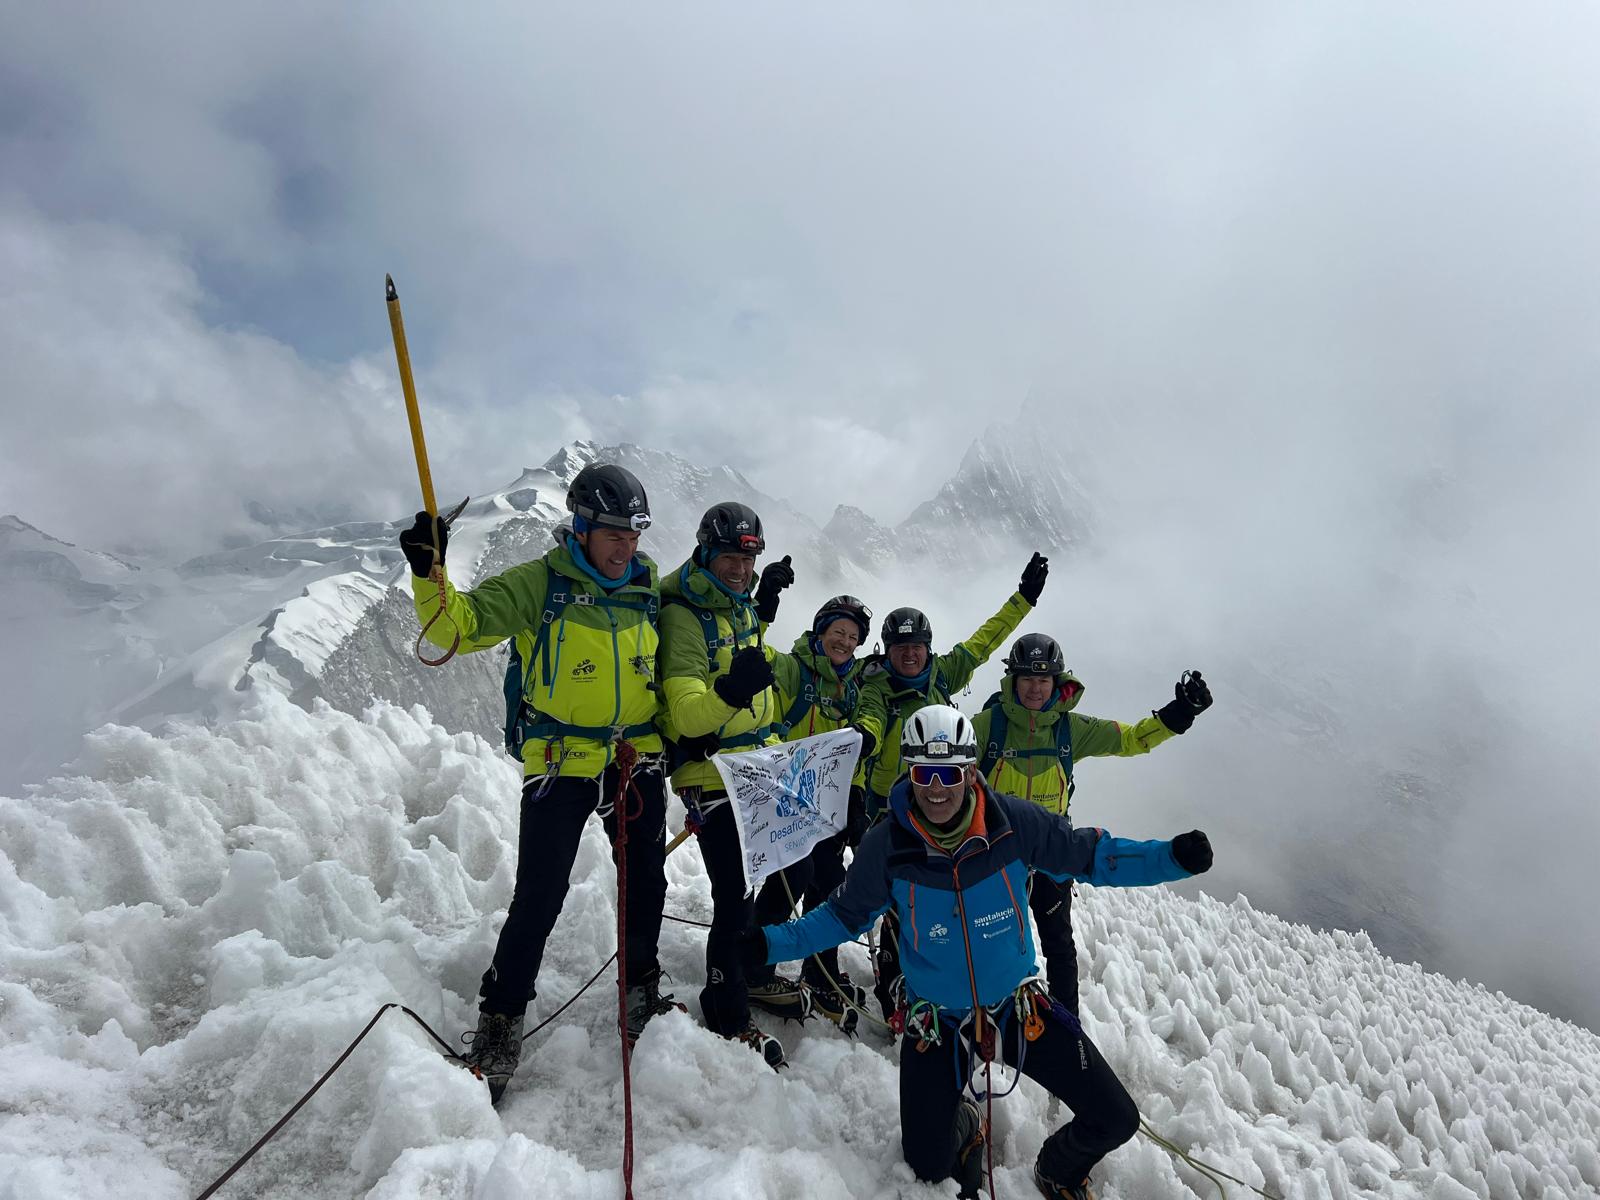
193,926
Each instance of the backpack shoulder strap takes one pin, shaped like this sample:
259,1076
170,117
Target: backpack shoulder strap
1064,750
996,744
804,699
708,629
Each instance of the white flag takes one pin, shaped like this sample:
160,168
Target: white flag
787,798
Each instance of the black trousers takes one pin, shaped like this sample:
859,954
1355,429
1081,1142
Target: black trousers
1051,903
547,844
725,1000
811,881
1063,1061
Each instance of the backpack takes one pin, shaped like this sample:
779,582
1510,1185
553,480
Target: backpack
524,722
808,696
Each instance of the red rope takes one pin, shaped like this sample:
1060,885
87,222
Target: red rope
627,756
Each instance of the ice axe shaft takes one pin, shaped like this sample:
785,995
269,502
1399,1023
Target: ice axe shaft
397,326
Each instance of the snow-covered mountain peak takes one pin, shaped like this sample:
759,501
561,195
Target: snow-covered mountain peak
1012,491
566,462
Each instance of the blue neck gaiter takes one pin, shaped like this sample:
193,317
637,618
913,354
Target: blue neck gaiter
588,568
742,597
916,682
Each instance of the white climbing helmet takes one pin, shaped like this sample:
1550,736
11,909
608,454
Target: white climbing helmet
938,734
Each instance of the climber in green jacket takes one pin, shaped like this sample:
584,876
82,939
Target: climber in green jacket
1028,738
582,623
909,676
717,678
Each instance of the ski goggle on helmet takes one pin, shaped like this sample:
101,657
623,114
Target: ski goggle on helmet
938,744
844,608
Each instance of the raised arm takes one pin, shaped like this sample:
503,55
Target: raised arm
495,610
1050,845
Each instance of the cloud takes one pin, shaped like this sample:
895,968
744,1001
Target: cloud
134,422
767,221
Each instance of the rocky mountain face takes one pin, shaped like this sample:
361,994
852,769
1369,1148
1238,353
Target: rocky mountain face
1012,492
852,536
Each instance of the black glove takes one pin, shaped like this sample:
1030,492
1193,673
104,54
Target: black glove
868,742
1192,851
753,950
748,675
1190,697
855,827
1033,577
773,580
416,543
698,749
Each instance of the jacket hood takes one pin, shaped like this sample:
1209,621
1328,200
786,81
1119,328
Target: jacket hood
1069,690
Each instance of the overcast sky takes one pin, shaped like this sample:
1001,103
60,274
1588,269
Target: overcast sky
823,242
1308,294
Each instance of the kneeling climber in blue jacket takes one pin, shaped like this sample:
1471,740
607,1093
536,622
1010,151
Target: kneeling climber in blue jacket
953,863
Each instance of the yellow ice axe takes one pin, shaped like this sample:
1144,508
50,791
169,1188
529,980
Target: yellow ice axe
397,326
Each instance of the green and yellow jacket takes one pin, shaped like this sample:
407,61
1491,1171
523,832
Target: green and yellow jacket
702,624
818,697
886,701
591,679
1035,762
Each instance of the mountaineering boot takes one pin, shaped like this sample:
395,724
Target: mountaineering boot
782,997
1057,1190
770,1049
645,1000
842,1005
972,1135
494,1050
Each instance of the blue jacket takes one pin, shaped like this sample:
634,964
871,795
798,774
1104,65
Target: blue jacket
963,920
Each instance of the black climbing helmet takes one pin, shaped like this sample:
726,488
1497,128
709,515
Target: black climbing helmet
906,625
843,608
609,496
1036,654
731,528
